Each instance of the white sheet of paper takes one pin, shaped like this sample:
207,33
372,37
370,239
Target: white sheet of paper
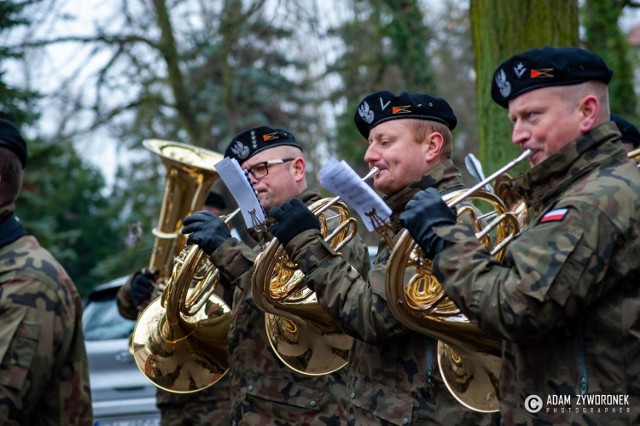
240,187
339,178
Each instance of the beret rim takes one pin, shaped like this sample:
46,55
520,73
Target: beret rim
264,148
505,102
404,116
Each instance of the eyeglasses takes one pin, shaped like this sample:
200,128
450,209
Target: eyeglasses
260,170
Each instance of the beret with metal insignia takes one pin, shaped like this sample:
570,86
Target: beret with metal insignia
249,143
11,139
630,133
383,106
549,66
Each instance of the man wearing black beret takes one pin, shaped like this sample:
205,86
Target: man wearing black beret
44,373
263,390
630,133
565,298
11,139
207,406
393,371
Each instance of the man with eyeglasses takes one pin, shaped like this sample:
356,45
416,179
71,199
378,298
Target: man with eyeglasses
263,390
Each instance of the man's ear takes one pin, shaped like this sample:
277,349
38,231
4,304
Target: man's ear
588,108
299,168
433,146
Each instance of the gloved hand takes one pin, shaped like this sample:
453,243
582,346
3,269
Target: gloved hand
293,218
424,211
207,230
142,285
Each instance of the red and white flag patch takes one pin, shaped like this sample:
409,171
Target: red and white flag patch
555,215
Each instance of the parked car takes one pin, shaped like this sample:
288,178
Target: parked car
121,394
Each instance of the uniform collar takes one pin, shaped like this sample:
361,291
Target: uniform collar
10,227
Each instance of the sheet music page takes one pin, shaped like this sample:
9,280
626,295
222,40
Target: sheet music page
240,187
339,178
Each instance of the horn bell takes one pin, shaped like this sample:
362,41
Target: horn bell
300,332
469,358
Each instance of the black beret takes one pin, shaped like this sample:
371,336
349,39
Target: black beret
549,66
383,106
630,133
215,200
11,139
249,143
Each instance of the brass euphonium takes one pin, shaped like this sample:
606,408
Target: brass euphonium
300,332
469,358
179,342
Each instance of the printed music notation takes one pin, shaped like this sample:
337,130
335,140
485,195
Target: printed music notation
240,187
339,178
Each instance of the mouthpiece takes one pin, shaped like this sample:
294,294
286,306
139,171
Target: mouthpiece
374,171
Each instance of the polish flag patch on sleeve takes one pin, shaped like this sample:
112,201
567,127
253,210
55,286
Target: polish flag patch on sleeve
555,215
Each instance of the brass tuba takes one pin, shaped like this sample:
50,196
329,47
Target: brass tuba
189,176
469,358
300,332
179,342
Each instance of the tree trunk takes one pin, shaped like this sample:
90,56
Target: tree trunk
603,36
501,28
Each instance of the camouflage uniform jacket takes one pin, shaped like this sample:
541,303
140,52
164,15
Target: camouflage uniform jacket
393,373
208,405
263,390
44,373
566,298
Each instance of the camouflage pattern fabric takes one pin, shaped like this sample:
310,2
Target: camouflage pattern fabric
198,410
44,374
263,390
393,371
206,407
566,298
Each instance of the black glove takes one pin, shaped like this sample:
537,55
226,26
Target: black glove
142,285
424,211
293,218
207,230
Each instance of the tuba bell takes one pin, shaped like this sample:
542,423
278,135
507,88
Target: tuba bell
179,341
189,175
469,358
300,332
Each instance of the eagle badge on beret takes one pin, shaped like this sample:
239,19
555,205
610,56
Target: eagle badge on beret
502,83
365,112
240,150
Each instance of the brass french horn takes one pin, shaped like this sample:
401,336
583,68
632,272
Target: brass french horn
300,332
469,358
635,156
179,341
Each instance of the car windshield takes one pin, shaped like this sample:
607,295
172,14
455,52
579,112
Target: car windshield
102,321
